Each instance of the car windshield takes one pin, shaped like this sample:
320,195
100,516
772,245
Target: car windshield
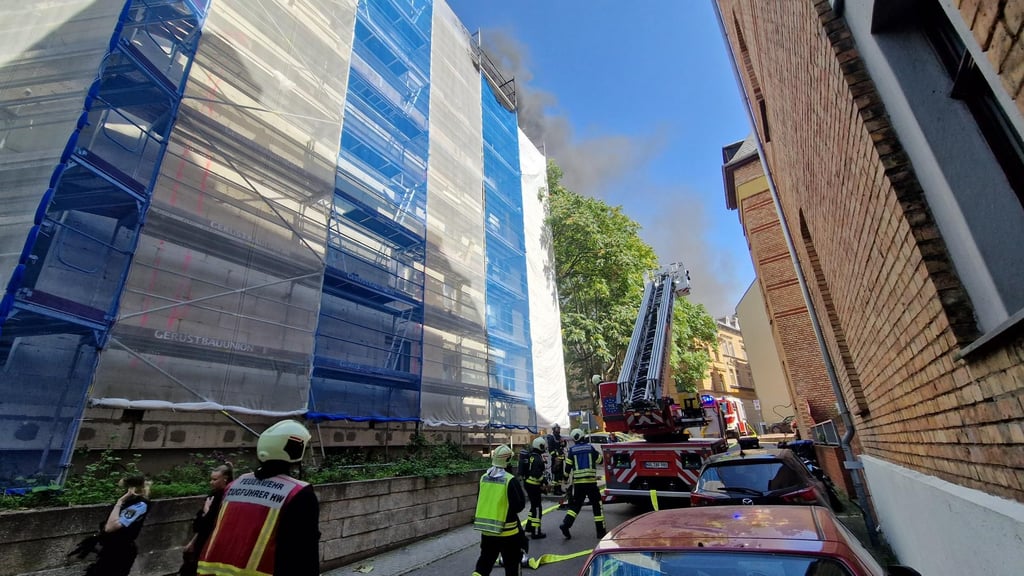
653,563
762,477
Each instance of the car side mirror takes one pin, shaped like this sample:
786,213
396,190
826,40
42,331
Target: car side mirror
900,570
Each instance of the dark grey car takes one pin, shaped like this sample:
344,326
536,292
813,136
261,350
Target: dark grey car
757,477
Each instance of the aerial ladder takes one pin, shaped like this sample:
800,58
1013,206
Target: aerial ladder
639,401
667,461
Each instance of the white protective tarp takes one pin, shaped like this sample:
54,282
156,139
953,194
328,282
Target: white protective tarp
455,385
220,308
545,320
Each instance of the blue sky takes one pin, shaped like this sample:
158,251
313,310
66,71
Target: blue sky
635,101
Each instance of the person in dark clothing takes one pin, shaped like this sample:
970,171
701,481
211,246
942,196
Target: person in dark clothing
497,517
556,447
206,518
582,462
268,501
534,481
114,543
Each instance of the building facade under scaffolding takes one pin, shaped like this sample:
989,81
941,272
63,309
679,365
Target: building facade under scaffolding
318,209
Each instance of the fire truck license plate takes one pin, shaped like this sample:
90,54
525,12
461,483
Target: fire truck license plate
658,465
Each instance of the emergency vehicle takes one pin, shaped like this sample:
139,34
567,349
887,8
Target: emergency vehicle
667,460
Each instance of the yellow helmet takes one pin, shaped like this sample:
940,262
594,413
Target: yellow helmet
577,434
286,440
540,443
501,455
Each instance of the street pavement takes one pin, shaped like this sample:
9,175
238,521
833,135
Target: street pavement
455,552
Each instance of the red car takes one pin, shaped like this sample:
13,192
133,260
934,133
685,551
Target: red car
735,541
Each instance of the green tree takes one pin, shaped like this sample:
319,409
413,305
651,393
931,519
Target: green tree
694,334
600,262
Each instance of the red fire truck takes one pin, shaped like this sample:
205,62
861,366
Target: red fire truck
667,460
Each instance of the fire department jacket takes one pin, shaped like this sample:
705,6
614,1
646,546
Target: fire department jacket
266,527
582,461
535,470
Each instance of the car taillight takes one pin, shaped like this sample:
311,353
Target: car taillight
801,496
700,499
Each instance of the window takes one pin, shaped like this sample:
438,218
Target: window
971,87
961,132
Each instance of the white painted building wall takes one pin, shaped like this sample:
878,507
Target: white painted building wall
940,528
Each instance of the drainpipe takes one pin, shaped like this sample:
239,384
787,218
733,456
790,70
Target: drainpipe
851,463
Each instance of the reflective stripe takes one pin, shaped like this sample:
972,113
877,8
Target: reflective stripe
218,569
261,542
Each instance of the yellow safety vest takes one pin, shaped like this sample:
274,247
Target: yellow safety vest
492,507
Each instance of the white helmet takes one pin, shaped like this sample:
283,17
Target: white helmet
577,435
539,443
286,440
501,455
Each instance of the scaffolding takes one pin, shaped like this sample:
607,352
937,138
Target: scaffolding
233,210
508,307
63,294
369,339
221,306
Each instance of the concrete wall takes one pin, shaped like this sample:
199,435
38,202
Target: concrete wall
357,519
980,534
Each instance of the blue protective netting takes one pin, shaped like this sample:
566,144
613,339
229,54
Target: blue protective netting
511,392
368,353
63,295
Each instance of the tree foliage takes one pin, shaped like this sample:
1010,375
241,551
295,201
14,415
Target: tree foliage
600,262
694,333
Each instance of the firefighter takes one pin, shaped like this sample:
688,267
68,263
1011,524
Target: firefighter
268,522
535,480
556,447
582,462
497,517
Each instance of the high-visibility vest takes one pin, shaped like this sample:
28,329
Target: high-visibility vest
244,539
492,507
584,459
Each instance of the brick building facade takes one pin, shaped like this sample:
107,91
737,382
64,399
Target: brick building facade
892,132
747,191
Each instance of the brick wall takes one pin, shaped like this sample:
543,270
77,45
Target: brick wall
896,300
791,323
357,520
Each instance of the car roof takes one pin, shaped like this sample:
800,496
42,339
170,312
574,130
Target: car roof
772,527
764,454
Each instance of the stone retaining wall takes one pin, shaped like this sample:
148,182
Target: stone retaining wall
357,520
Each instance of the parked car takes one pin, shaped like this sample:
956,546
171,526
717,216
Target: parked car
602,438
757,477
611,437
785,426
735,541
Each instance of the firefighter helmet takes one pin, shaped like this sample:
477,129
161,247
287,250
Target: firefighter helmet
577,435
539,443
501,455
286,440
